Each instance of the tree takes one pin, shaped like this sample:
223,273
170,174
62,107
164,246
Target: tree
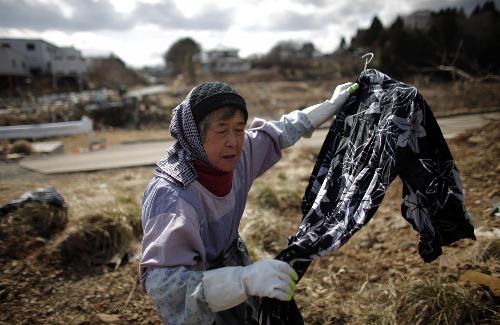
450,38
308,49
374,31
343,44
182,57
368,37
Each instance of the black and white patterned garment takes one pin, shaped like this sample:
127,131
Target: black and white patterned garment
384,130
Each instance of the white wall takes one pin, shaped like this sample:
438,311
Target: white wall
68,61
36,52
232,65
12,63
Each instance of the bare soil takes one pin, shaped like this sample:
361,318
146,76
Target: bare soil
362,283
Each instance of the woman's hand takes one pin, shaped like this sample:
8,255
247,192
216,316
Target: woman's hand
227,287
319,113
340,95
269,278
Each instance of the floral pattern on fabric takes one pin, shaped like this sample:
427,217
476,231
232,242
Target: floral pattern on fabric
177,294
384,130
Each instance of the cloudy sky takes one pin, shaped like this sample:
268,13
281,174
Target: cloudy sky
140,31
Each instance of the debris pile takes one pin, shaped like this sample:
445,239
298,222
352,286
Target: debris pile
107,108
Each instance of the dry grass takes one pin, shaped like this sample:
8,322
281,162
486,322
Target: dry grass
273,211
491,251
433,300
22,147
263,235
45,219
365,282
97,239
30,226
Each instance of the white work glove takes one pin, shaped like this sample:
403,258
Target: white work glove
230,286
319,113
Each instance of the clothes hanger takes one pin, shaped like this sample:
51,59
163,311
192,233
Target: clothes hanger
367,61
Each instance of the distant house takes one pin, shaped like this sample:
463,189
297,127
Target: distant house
36,52
225,60
68,61
13,63
286,51
40,58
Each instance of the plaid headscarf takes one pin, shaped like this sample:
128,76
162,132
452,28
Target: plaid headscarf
177,165
203,99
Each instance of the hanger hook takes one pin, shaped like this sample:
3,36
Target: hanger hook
370,54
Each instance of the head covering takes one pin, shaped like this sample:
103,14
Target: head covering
212,95
177,164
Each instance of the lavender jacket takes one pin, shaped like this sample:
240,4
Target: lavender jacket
186,229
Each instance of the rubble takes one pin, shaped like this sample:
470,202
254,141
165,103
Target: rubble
107,108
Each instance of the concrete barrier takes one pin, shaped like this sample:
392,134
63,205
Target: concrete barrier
37,131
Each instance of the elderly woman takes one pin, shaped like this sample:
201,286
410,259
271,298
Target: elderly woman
195,267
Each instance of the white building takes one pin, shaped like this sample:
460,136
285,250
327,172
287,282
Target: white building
41,57
13,63
36,52
68,61
226,60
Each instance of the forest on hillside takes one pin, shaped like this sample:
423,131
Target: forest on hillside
448,37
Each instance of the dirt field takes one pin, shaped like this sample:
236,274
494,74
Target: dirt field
376,278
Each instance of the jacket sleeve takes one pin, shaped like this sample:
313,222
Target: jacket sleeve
171,236
265,140
293,126
177,294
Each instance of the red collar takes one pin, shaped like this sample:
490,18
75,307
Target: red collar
217,182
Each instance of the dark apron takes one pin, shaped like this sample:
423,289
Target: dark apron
246,313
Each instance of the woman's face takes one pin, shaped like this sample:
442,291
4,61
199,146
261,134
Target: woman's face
223,140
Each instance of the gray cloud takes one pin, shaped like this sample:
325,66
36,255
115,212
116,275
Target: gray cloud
294,21
328,15
91,15
467,5
165,14
358,12
88,16
316,3
356,8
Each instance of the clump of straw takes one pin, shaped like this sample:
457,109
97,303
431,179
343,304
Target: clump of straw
97,239
22,147
432,301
